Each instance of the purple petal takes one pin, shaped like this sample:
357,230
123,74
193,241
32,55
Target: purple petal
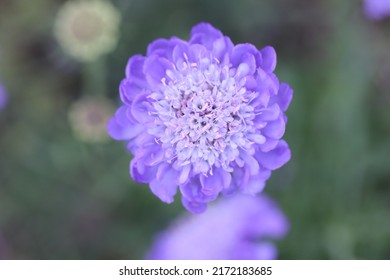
269,144
222,48
118,129
194,207
165,187
262,98
180,54
134,70
275,158
257,138
247,66
128,90
160,47
256,183
265,251
267,81
269,59
197,52
284,96
205,34
184,174
271,221
155,68
141,108
241,52
376,9
140,173
250,162
275,129
241,176
213,184
270,113
153,155
3,97
141,143
192,191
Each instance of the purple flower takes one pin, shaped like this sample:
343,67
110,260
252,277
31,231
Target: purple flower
377,9
3,97
233,228
203,115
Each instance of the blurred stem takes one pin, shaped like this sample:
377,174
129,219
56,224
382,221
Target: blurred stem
95,82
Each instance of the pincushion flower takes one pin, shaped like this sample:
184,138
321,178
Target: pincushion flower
88,118
377,9
205,116
87,29
3,97
238,227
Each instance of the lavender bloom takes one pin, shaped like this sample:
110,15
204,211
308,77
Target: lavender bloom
205,115
234,228
377,9
3,97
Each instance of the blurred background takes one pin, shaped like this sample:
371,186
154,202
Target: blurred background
65,189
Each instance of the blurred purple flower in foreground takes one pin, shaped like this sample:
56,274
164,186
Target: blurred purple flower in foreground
205,115
3,97
233,228
377,9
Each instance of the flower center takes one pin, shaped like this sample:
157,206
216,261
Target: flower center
206,116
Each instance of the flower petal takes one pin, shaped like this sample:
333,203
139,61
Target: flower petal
140,173
184,174
160,47
141,108
256,183
275,129
134,70
269,144
213,184
165,187
192,191
154,155
269,59
284,96
128,90
241,176
275,158
251,163
241,52
194,207
155,69
119,129
197,52
265,251
205,34
270,113
222,48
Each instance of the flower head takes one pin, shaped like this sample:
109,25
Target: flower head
89,117
87,29
3,97
238,227
377,9
203,115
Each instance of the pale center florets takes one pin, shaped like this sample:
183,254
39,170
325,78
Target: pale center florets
206,116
